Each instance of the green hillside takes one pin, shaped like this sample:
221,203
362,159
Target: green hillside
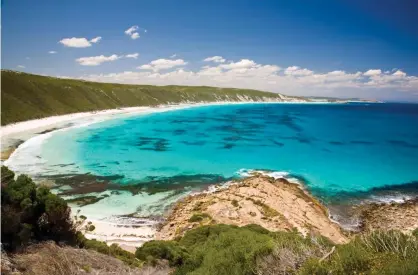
28,96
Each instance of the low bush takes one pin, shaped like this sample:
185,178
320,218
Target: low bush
216,249
31,214
199,217
152,251
113,250
377,252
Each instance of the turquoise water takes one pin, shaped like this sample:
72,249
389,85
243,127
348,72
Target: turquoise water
334,147
336,150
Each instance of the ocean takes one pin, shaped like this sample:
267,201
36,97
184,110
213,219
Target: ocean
339,152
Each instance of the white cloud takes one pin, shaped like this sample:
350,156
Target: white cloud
21,66
96,39
132,55
248,74
373,72
75,42
217,59
173,56
135,35
132,32
296,71
242,64
52,52
163,64
96,60
399,73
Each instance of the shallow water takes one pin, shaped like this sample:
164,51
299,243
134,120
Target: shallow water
338,151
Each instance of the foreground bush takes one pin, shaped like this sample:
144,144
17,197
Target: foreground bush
225,249
114,250
30,213
373,253
217,249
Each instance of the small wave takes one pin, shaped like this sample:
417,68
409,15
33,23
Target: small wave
245,173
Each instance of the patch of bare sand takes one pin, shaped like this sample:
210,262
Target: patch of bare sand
276,205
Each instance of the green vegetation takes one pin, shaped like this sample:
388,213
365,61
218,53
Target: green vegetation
199,217
265,209
225,249
217,249
30,213
114,250
27,96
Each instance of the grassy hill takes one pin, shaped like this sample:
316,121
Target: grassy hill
27,96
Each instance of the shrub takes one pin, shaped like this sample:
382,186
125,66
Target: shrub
32,214
373,253
113,250
167,250
199,217
234,203
223,250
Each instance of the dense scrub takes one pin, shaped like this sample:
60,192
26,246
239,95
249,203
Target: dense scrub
225,249
26,96
30,213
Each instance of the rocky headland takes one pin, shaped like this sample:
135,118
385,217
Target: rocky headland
275,204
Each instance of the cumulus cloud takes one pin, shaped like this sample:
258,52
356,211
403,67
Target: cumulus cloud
96,60
21,66
75,42
173,56
216,59
132,32
52,52
399,73
373,72
296,71
242,64
246,73
162,64
96,39
132,55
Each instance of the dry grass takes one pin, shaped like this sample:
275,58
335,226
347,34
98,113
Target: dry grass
287,258
48,258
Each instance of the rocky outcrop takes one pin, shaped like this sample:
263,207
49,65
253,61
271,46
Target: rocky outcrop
383,216
273,204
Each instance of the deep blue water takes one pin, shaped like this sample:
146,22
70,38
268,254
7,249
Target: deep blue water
335,149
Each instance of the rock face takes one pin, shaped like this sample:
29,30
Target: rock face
273,204
399,216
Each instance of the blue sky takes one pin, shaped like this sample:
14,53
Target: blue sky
343,48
